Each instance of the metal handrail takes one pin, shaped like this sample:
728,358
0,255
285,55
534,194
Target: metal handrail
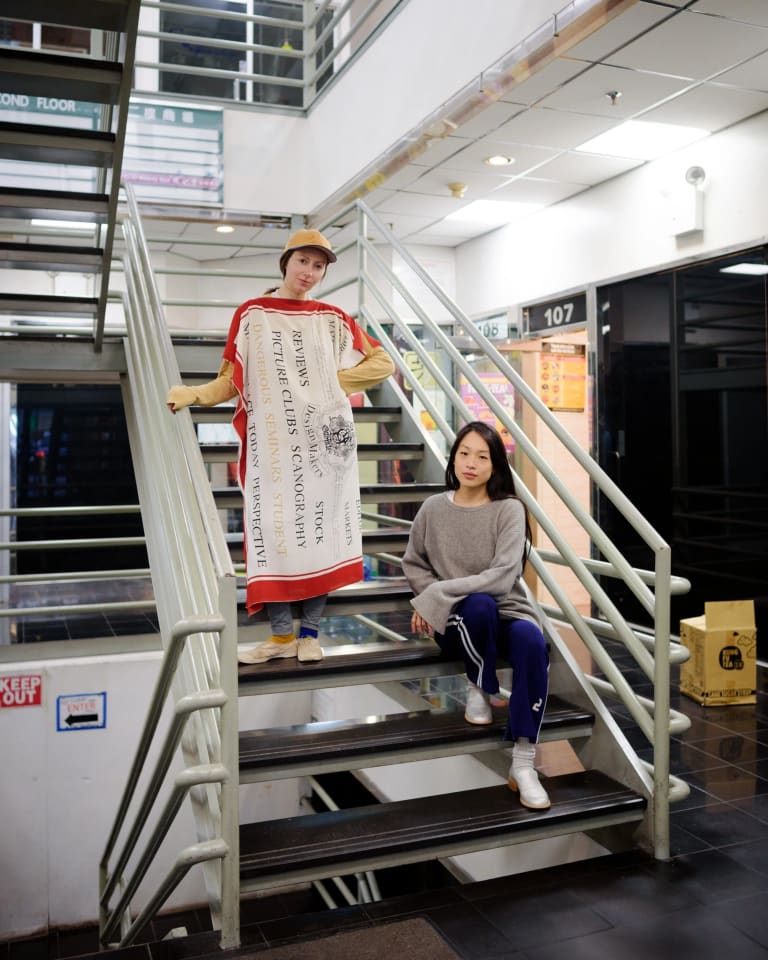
194,585
314,62
655,663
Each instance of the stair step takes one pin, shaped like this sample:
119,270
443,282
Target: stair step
228,452
63,77
398,492
381,540
308,748
224,412
376,414
93,14
369,493
51,256
32,304
27,203
335,843
349,665
38,143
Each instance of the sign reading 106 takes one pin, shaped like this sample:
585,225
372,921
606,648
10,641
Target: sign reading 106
556,314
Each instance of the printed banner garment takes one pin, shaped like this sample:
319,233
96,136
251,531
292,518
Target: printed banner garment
298,460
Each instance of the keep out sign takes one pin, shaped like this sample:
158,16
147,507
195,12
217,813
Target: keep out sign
21,690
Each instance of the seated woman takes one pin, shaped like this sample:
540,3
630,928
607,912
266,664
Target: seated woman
464,562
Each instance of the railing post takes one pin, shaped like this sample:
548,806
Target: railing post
230,794
661,719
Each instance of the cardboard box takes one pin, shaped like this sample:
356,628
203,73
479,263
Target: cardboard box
722,668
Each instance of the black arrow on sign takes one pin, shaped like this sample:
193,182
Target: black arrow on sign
83,718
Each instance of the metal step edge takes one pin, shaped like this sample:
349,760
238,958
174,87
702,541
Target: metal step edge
90,14
323,747
26,203
61,76
349,665
228,452
320,845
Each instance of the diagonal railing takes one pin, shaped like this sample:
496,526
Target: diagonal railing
194,586
377,280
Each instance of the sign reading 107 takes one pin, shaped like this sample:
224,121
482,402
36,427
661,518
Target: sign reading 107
556,314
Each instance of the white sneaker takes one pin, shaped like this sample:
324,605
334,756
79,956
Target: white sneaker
309,649
524,778
478,708
268,650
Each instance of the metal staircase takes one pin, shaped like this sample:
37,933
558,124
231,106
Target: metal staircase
607,793
36,158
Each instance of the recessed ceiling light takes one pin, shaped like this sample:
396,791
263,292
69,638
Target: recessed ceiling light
497,160
642,140
225,228
747,269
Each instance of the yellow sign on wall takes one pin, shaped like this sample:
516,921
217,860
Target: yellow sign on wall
561,376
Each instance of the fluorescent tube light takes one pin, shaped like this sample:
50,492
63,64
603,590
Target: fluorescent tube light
747,269
642,140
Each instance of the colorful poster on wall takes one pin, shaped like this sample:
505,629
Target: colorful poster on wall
503,392
562,376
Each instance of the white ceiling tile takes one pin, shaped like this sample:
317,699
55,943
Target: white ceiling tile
619,31
588,93
585,168
534,190
551,128
439,150
747,11
752,75
710,106
418,204
491,117
544,80
471,157
481,179
693,45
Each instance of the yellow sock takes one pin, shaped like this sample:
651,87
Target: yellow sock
282,638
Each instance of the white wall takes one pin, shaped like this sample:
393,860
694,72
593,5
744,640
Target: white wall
60,789
278,164
620,227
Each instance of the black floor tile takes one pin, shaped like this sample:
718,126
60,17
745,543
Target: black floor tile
747,914
697,934
719,824
471,934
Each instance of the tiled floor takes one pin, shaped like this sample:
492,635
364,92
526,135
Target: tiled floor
710,900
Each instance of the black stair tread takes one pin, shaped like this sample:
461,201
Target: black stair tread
282,746
50,256
394,534
367,414
93,14
369,493
406,827
28,203
398,492
40,143
347,660
30,303
59,75
389,450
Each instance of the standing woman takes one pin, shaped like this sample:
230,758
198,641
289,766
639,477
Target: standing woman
292,362
464,562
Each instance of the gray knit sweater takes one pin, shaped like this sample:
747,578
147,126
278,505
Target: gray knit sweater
455,551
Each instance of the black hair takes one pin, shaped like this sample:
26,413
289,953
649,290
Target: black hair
501,484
